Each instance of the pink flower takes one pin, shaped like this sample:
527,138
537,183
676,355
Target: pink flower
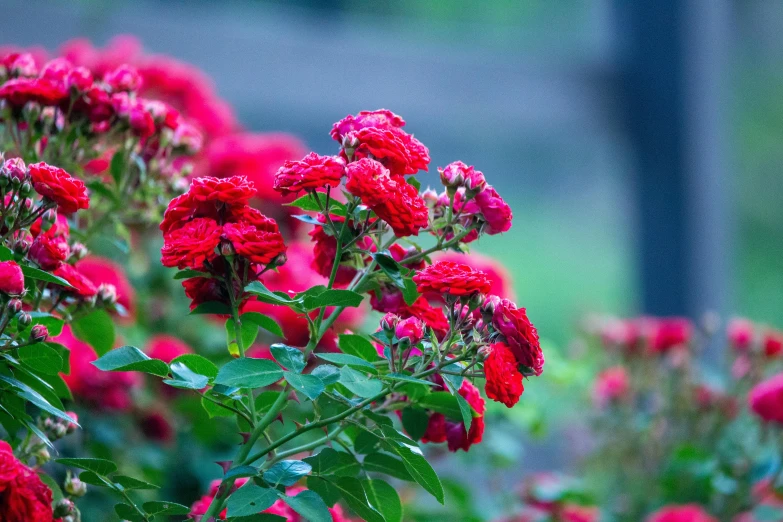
684,513
740,333
495,210
766,399
11,278
410,329
611,386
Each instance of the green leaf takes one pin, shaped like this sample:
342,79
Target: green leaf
52,484
65,355
332,462
212,307
415,422
366,442
39,275
265,295
127,512
325,489
288,357
5,253
386,464
357,345
409,291
308,384
359,383
347,298
101,467
262,321
96,329
349,360
249,373
187,274
287,472
240,472
215,410
309,505
249,500
199,364
131,359
353,493
327,373
384,499
89,477
465,410
41,358
132,483
310,203
442,402
391,268
53,324
421,471
186,378
407,378
117,166
157,507
249,332
29,394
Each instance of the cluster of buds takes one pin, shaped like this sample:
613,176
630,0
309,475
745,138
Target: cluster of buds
458,175
74,487
56,428
65,510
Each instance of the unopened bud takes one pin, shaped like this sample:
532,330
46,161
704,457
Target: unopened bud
64,507
14,306
430,197
16,182
75,487
72,426
279,260
107,294
389,322
24,320
39,333
14,168
227,249
79,251
25,188
9,220
48,219
350,142
488,307
451,177
42,456
21,246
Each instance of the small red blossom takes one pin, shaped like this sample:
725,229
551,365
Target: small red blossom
503,379
442,429
520,335
123,78
11,278
19,91
310,173
259,244
156,426
192,245
23,496
611,385
410,329
80,284
49,252
457,174
684,513
665,334
766,399
455,279
772,343
54,183
740,333
325,249
393,199
203,290
495,210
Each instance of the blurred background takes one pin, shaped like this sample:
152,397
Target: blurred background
637,142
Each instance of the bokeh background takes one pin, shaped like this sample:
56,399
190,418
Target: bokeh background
639,143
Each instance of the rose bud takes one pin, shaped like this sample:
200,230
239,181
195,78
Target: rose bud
107,294
279,260
15,168
11,278
24,320
75,487
14,306
488,308
28,202
48,219
79,251
9,220
430,197
409,330
350,142
227,249
64,507
389,322
39,333
42,456
21,246
452,176
72,426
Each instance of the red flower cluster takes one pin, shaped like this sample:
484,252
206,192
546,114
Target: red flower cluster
23,496
454,279
379,134
442,429
766,399
684,513
393,199
310,173
57,185
212,213
503,379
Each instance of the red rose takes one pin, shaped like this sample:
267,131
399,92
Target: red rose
9,466
393,199
203,290
766,399
49,252
234,191
223,200
664,334
410,329
503,380
499,277
59,228
382,119
82,286
141,122
11,278
455,279
19,91
611,385
260,243
384,146
495,210
684,513
310,173
23,496
520,335
577,513
773,343
442,429
156,426
54,183
192,245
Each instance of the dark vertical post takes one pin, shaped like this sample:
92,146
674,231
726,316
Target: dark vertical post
670,74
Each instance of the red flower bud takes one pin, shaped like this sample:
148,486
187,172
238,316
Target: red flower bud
39,333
